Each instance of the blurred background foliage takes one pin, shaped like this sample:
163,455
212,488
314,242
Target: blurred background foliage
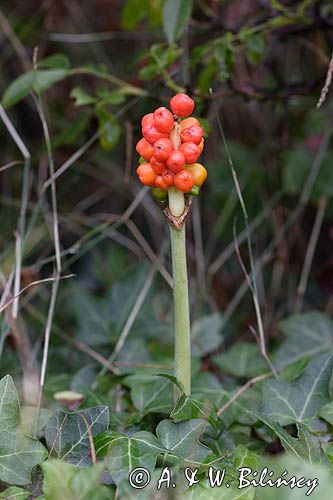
94,68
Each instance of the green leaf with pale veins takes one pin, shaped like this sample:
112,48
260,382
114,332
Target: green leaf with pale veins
176,14
150,394
306,447
307,334
299,401
242,360
63,481
125,453
14,493
182,438
68,434
19,454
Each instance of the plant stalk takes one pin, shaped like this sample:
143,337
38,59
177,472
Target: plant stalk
181,308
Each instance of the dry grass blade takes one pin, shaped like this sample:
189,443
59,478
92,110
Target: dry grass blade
310,253
326,87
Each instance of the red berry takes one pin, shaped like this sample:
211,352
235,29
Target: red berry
190,151
182,105
145,149
168,177
184,181
160,182
147,120
152,134
192,134
162,149
164,120
146,174
157,166
176,161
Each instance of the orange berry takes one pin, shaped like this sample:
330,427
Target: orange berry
188,122
147,120
182,105
152,134
157,166
201,145
199,173
192,134
145,149
184,181
176,161
163,120
168,177
160,182
190,151
146,174
162,149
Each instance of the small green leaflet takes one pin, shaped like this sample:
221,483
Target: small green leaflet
36,80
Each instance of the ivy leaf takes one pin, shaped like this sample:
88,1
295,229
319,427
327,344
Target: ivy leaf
15,447
67,434
150,394
36,80
188,407
307,334
242,360
299,401
176,14
63,481
306,447
125,453
206,335
14,493
326,412
182,438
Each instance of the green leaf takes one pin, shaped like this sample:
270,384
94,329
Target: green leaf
82,98
182,438
133,12
187,408
326,412
317,484
63,481
45,79
109,129
55,61
299,401
19,454
125,453
176,15
150,394
307,335
306,447
205,335
37,80
19,89
242,360
14,493
67,434
243,457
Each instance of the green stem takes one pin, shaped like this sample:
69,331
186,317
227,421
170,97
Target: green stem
181,309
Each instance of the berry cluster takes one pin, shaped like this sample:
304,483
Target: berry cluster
170,147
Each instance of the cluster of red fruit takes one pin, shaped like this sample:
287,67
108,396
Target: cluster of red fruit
170,148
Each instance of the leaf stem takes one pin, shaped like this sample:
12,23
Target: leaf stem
181,308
